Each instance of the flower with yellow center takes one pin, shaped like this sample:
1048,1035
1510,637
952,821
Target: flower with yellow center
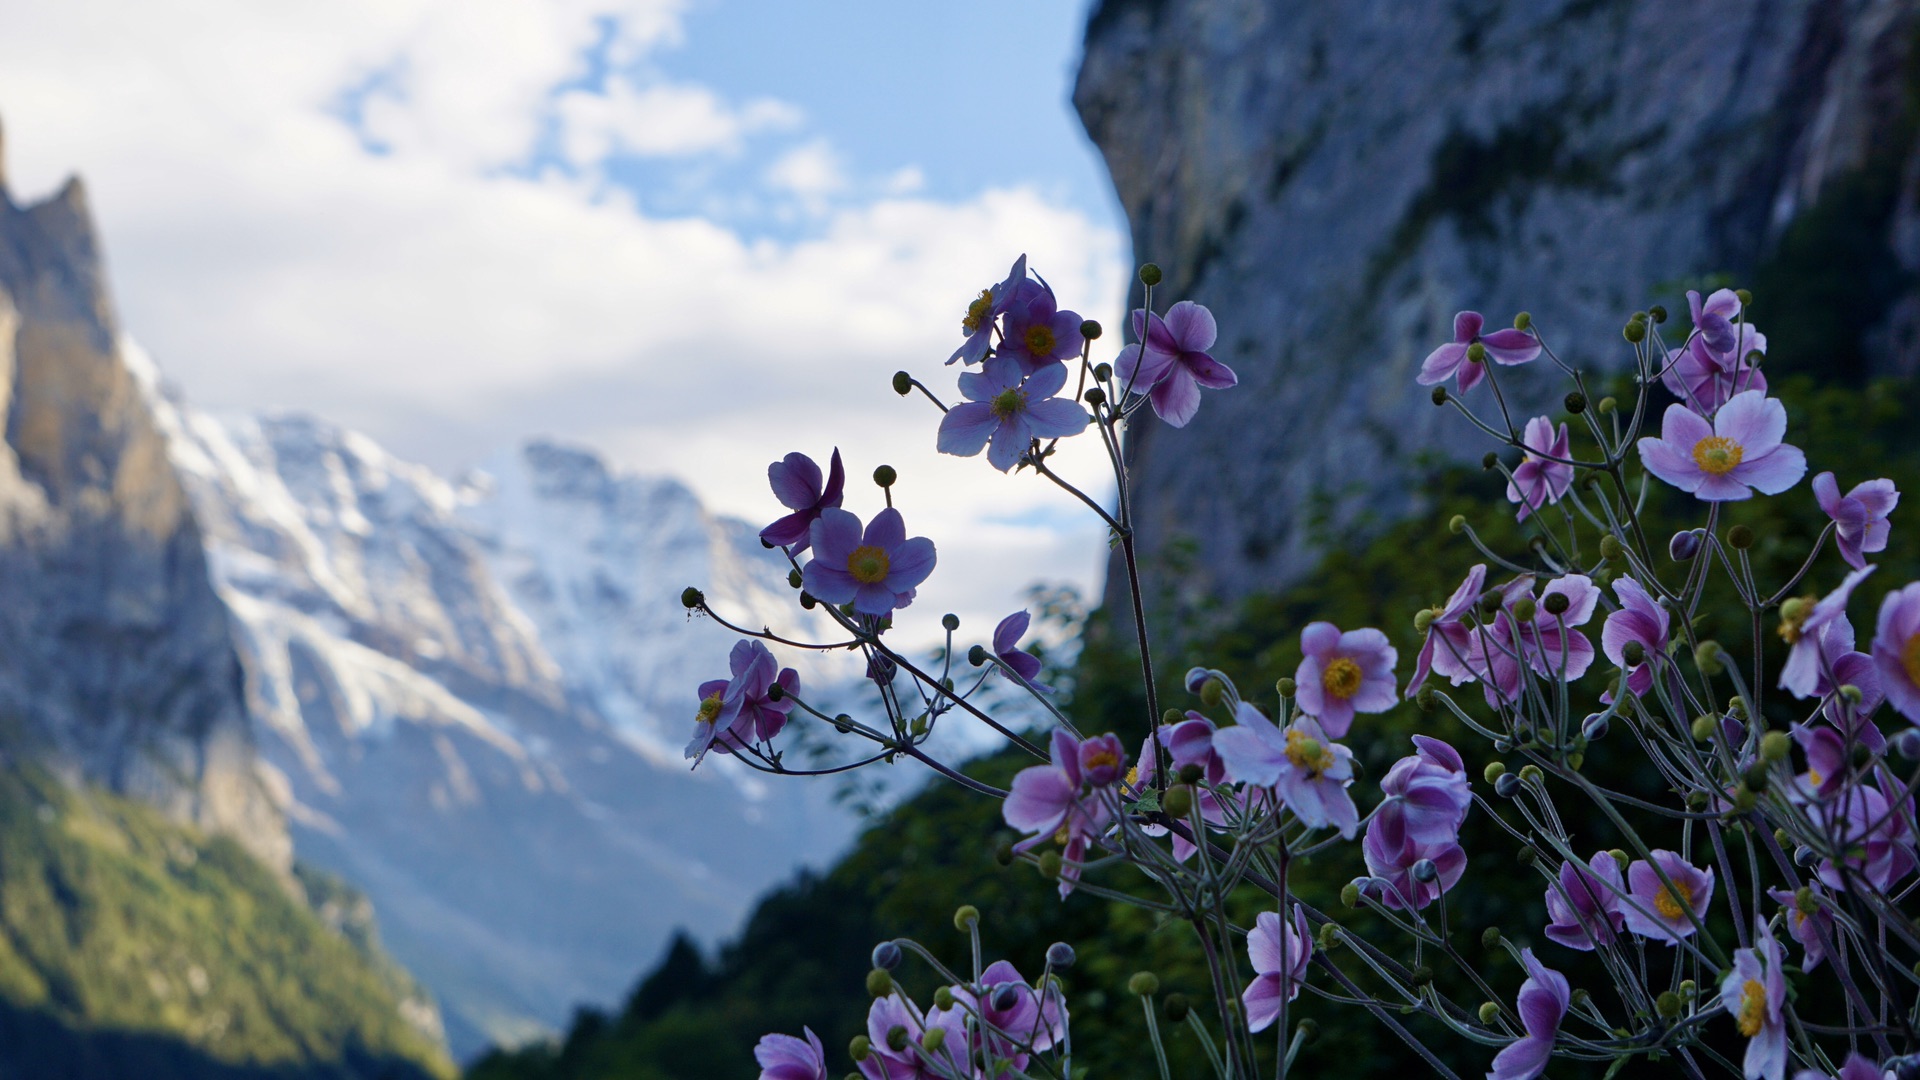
1308,753
868,564
978,312
1341,678
1675,901
1040,340
1793,616
709,708
1101,758
1753,1008
1008,403
1717,455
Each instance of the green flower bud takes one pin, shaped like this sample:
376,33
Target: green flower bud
1756,777
1170,717
1420,976
1426,699
1658,313
902,383
976,655
1284,686
1490,938
1556,603
1490,461
966,917
1457,524
1522,321
1090,330
1736,708
1635,331
1781,837
1143,984
1531,774
691,598
1610,548
1050,865
1102,372
897,1037
1668,1005
1489,1012
1576,402
807,601
1633,653
950,621
1689,989
1178,801
1745,297
1620,857
1775,745
776,692
1710,658
1745,800
1175,1006
1525,856
1804,901
1476,353
1696,801
1851,693
1525,609
1149,274
932,1039
843,723
1212,693
860,1048
879,983
1494,771
1740,538
1190,773
1003,853
1607,405
1422,619
1309,1029
1095,396
793,578
1350,894
885,476
1330,932
1439,395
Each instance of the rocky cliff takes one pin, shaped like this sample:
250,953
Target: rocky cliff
117,664
1337,179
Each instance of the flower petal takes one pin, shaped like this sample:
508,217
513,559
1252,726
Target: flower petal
1192,326
965,429
796,483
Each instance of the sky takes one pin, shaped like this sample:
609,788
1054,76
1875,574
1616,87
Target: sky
693,234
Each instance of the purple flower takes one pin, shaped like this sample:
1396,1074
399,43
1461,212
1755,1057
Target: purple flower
1859,516
738,712
1754,993
1547,642
1803,627
1045,801
1713,319
1642,621
1307,771
783,1057
1189,742
1542,1004
796,483
1538,482
1344,674
1449,360
1827,763
876,571
1279,953
1014,1016
1010,409
988,306
1584,908
1102,759
1705,381
1449,644
1170,361
1808,928
1392,852
1035,333
910,1062
1725,461
1856,1068
1006,646
1863,822
1662,912
1896,650
1431,790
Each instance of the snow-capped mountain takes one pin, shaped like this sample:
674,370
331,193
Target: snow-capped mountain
471,696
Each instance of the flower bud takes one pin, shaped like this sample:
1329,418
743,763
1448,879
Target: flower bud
897,1037
885,476
879,983
1710,658
1426,700
1556,603
1531,774
1178,801
1610,548
1489,1012
1525,856
1102,372
1851,693
1476,353
1457,524
1422,619
1170,717
1745,297
1003,853
976,656
1684,545
1191,773
1775,745
1607,405
1745,800
1309,1029
691,598
776,692
860,1048
1006,997
1740,538
1420,976
793,577
807,601
1494,771
843,723
1635,331
1175,1006
932,1039
966,917
1657,313
1696,801
1143,984
1503,745
1704,726
1595,727
943,998
1756,776
1507,785
1525,609
1350,894
1050,865
1095,396
1490,461
1060,955
1576,402
1490,938
1090,330
1329,936
1149,274
1284,686
1439,395
902,383
1667,1005
1805,855
1212,693
1907,743
1522,321
1424,871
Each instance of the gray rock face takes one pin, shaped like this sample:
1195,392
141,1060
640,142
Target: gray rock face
1335,180
116,661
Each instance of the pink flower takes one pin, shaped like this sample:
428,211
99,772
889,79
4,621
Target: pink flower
1279,953
1449,643
1102,759
1661,912
1859,517
1036,333
1309,772
1807,929
783,1057
1538,482
1803,628
740,712
796,483
1727,460
1542,1004
910,1063
876,571
1006,646
1584,908
1189,742
1012,1017
1642,621
1874,833
1704,381
1896,650
1713,319
1170,361
1548,642
1045,801
1394,860
1431,790
1754,993
988,306
1344,674
1450,360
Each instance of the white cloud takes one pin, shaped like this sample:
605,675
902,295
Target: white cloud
811,171
448,303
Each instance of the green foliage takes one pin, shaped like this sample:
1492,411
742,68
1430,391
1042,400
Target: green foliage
802,959
130,946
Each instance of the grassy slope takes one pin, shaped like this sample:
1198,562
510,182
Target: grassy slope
130,946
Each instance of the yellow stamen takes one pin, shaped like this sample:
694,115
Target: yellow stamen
868,564
1717,455
1793,615
1342,678
1674,903
1101,759
977,312
1008,403
1814,777
1309,753
1040,340
1133,776
1753,1008
709,708
1910,658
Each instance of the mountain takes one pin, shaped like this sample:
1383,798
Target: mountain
1336,180
472,696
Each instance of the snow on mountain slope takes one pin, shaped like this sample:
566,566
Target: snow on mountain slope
471,698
